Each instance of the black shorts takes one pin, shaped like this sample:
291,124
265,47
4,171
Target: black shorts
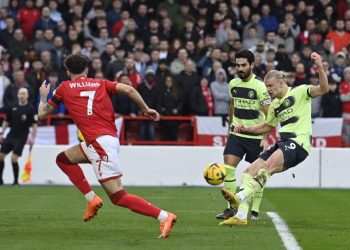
293,153
240,146
14,144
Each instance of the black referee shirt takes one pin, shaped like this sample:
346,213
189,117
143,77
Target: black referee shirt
20,119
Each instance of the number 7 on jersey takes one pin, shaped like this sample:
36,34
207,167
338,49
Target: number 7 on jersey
91,95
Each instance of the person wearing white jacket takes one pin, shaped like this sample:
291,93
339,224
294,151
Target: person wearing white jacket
220,92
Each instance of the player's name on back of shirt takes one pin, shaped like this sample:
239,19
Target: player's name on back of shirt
73,85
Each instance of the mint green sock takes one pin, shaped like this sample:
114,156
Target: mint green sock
244,206
230,179
257,200
257,183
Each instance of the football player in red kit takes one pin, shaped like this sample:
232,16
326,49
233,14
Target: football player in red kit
91,109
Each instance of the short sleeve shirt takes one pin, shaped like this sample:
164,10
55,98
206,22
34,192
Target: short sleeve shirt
88,103
248,100
293,113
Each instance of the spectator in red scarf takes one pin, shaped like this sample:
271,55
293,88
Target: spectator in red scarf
124,20
130,71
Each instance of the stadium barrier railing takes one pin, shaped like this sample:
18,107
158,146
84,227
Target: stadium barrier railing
129,132
187,131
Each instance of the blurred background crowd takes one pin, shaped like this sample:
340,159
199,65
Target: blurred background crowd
180,55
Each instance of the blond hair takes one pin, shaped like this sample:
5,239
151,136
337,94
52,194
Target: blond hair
276,74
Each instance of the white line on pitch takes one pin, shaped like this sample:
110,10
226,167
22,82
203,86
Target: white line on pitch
287,237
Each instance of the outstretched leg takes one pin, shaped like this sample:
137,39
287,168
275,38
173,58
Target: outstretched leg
120,197
261,170
68,163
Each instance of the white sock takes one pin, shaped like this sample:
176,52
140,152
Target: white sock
241,214
90,196
163,215
241,196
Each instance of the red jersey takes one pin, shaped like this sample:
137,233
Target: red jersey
339,42
88,103
27,18
344,89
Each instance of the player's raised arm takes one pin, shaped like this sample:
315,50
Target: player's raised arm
136,97
44,107
323,87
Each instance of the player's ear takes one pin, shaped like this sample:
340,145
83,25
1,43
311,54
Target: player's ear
282,82
86,71
68,73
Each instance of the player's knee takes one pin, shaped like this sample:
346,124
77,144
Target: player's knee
117,197
249,170
62,158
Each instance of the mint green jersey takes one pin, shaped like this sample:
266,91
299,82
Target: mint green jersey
248,100
293,112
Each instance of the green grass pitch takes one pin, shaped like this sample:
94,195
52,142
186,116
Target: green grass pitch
48,217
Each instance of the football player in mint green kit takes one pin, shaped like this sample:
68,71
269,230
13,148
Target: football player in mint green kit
291,108
249,105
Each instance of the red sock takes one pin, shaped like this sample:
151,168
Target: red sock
135,204
74,172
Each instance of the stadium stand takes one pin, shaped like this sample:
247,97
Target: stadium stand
147,42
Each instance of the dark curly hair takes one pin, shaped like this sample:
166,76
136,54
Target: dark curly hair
76,64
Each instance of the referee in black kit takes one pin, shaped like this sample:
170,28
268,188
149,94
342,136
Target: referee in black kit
19,119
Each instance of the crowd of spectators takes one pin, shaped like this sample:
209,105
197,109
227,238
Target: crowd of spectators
178,54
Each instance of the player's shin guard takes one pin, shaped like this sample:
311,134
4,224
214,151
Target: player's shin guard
256,184
134,203
15,169
230,179
74,172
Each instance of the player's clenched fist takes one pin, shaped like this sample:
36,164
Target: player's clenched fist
44,89
317,59
239,128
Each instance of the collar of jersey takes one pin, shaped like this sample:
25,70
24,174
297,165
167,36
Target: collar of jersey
284,97
79,77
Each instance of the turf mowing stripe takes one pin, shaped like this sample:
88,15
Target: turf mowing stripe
104,210
287,237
